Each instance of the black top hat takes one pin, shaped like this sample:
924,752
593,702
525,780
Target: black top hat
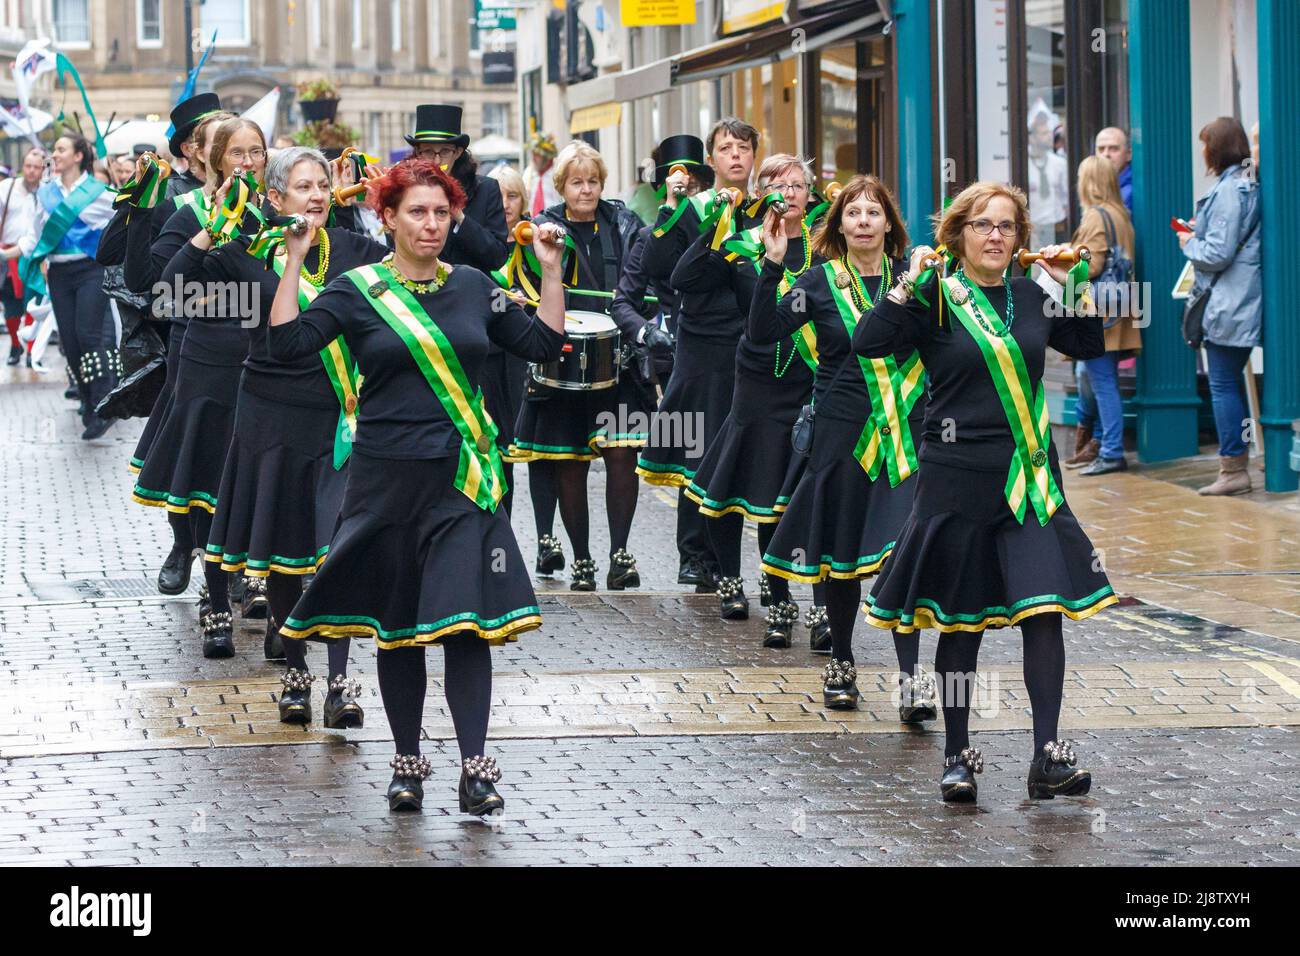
438,123
687,151
139,149
187,114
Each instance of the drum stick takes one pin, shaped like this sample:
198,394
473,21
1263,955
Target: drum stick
1067,257
679,189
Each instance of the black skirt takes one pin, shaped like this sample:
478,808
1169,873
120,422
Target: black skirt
838,523
963,562
559,425
691,412
184,466
750,460
414,560
159,411
280,494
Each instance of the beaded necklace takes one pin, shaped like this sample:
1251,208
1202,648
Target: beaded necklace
418,288
789,280
979,313
317,278
858,287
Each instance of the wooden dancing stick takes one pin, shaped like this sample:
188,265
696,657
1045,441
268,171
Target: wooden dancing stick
526,233
1068,257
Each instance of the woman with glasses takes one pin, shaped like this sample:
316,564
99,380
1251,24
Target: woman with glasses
748,464
183,471
990,541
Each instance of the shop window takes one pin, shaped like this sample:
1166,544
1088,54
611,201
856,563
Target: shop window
1048,179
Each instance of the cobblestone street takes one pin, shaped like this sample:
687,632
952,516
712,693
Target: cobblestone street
637,727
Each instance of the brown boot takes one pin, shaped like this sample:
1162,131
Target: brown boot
1085,447
1233,478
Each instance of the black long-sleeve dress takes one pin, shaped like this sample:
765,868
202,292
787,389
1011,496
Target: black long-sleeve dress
709,325
559,425
748,463
282,486
978,549
839,522
182,471
414,558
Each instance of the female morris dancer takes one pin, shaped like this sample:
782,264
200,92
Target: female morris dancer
423,555
748,464
183,470
990,541
572,428
283,483
850,501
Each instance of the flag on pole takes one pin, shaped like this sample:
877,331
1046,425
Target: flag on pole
265,112
192,80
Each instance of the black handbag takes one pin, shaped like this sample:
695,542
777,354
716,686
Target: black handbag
801,433
1194,311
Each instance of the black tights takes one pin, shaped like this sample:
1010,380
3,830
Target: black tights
777,586
621,487
182,533
282,593
467,681
1044,670
541,490
724,538
843,601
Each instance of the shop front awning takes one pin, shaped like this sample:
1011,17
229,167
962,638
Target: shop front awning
766,45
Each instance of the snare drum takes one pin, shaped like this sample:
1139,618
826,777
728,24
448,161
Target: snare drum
590,356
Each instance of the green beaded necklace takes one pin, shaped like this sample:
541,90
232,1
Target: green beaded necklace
858,288
979,313
789,280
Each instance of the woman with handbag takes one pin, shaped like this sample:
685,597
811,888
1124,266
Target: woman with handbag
1108,233
851,499
1225,308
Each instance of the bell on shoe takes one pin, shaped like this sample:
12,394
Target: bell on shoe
584,575
1053,773
622,571
218,634
295,696
731,595
406,791
253,605
917,696
957,785
174,576
818,623
205,601
550,554
781,618
477,794
764,589
1233,478
341,708
272,642
839,686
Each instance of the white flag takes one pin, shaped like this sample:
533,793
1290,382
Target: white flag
33,60
265,112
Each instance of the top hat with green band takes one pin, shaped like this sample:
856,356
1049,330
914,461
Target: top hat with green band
187,114
685,150
438,123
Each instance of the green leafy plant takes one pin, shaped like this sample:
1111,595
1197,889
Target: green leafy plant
321,89
324,134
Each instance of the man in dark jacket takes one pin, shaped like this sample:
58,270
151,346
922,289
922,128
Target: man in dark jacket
478,238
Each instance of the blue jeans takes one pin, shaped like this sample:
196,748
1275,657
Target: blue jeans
1085,407
1228,395
1104,374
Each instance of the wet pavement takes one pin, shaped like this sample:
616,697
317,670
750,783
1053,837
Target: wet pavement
637,726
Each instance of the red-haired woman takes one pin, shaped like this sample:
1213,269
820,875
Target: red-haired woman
422,554
845,512
990,541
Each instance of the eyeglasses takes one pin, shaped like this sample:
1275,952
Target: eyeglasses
984,227
439,153
256,154
788,187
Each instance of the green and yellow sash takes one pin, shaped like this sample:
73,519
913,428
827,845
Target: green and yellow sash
886,439
340,368
480,476
1029,478
224,220
197,200
147,191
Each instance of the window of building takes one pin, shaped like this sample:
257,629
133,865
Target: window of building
229,18
72,22
395,23
318,14
358,25
1049,175
496,119
149,23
